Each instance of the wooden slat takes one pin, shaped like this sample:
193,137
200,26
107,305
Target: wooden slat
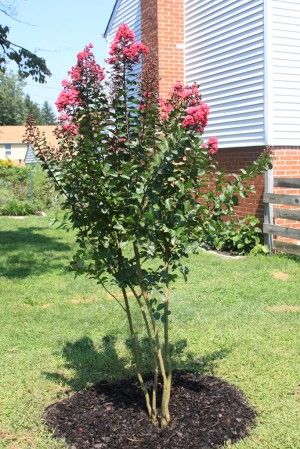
275,198
290,183
283,232
268,207
289,214
286,247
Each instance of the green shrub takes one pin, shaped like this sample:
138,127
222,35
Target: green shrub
25,190
17,207
237,236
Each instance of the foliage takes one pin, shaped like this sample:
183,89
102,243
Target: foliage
29,64
12,107
48,116
238,236
33,109
17,207
15,107
130,167
16,184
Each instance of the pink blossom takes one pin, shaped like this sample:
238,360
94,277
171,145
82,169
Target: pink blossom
69,96
84,54
124,34
70,128
197,117
86,70
124,49
133,52
66,126
165,108
177,90
185,92
212,144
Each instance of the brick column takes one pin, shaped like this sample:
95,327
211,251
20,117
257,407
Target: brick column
163,32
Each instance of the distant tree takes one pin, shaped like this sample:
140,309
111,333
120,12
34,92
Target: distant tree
33,109
29,64
48,115
12,106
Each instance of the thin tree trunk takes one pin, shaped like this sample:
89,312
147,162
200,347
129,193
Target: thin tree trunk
165,413
136,354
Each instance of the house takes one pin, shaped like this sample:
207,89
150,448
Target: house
11,142
245,54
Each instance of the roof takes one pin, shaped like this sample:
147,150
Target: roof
111,18
15,134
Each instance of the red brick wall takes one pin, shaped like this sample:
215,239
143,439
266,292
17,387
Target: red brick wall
232,160
163,32
150,27
286,163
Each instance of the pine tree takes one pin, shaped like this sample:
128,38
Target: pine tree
48,116
33,109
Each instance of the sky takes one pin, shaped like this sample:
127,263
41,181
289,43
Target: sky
57,30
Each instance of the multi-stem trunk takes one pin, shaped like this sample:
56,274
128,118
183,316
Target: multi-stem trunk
135,346
163,357
136,355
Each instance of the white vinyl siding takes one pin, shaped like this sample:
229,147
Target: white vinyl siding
224,53
285,72
129,12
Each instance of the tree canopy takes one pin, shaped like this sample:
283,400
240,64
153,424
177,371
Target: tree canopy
29,64
48,116
12,106
15,106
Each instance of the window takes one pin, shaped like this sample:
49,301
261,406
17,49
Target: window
7,148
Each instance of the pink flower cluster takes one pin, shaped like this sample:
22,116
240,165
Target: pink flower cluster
197,117
69,96
124,49
165,108
66,126
212,145
186,92
86,72
86,69
186,96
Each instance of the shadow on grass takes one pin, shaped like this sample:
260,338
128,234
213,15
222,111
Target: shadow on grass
90,365
26,252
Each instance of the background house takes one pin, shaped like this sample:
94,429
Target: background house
245,54
11,142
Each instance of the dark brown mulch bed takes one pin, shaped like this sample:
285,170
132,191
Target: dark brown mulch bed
206,412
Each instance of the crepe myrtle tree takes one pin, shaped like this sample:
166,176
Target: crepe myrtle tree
136,178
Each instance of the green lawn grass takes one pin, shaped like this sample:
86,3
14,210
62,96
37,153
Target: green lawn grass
59,334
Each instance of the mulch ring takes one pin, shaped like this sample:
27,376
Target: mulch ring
206,412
